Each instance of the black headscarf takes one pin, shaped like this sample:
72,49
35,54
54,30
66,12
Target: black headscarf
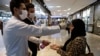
79,30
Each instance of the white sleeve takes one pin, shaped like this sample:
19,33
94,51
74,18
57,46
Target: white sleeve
35,40
32,30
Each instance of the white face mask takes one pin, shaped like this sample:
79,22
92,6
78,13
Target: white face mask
23,15
32,15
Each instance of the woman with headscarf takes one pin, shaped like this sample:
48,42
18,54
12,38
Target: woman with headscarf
76,44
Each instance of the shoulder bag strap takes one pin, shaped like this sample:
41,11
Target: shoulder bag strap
88,47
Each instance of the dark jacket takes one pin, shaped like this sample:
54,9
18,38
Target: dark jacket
27,21
33,47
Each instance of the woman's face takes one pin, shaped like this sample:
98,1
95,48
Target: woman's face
71,27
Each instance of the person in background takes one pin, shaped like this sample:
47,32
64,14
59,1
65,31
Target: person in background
16,32
76,45
31,14
31,19
68,27
1,27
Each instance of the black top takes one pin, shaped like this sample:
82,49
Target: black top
27,21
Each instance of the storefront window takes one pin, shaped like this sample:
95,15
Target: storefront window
86,18
4,16
78,15
97,20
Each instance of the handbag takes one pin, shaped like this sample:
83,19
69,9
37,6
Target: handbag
89,50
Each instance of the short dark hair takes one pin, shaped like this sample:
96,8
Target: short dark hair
29,5
15,3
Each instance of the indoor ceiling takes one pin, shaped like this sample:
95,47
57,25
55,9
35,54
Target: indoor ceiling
66,7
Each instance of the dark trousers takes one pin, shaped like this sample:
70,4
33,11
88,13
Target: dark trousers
68,30
33,47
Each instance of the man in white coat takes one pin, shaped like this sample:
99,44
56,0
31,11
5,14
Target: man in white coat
16,32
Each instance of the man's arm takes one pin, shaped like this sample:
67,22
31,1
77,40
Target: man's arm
35,40
32,30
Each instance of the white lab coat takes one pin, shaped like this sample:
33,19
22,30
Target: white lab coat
16,35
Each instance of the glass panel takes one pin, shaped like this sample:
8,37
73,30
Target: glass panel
97,20
86,18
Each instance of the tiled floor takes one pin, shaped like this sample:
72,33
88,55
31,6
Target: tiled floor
60,38
2,48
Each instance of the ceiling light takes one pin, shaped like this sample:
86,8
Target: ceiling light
58,6
68,13
64,10
69,9
58,10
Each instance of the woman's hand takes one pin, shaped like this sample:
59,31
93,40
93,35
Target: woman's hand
55,47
